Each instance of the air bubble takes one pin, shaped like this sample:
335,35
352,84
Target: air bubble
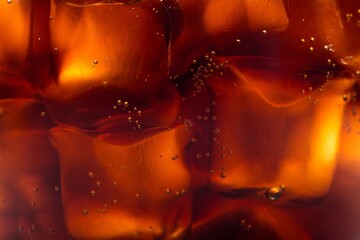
275,193
248,227
175,157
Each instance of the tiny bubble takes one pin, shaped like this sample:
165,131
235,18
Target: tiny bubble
93,193
248,227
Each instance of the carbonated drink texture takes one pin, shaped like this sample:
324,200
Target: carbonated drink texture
164,119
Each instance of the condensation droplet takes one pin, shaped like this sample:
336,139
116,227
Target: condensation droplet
43,114
91,174
223,175
168,191
238,41
9,1
275,193
57,188
95,61
85,212
35,189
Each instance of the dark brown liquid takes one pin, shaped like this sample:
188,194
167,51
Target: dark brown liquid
179,119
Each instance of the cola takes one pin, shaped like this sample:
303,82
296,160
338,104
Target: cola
179,119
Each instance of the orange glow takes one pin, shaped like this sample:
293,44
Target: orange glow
220,16
15,22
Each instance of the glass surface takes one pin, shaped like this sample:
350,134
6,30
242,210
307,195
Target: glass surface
179,119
